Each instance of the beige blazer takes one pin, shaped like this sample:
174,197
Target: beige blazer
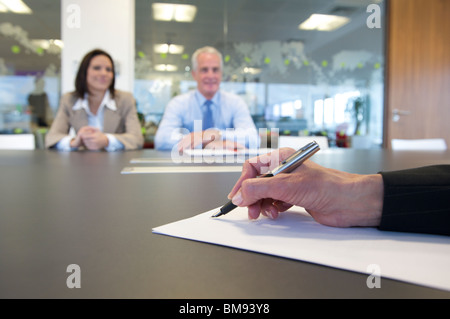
123,122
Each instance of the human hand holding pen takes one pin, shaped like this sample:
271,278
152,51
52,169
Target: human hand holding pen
331,197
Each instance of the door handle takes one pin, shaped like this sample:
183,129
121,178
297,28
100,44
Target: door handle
396,113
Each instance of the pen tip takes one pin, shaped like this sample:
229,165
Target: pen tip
216,214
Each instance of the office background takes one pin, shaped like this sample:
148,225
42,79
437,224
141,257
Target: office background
380,75
303,82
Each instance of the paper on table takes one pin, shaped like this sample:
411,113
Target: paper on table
150,160
205,156
222,152
187,159
416,258
181,169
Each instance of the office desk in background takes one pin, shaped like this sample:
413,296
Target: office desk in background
59,209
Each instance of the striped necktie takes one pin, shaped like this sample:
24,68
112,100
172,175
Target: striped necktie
208,121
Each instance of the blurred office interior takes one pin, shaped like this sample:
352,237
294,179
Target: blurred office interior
296,77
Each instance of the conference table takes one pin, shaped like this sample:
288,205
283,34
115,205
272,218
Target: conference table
77,208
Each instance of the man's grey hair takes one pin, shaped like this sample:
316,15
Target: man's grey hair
206,49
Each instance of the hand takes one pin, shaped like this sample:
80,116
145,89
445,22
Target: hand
194,139
77,141
224,145
331,197
93,139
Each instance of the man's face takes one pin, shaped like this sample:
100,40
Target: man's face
208,74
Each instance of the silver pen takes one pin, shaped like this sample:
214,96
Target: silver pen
287,166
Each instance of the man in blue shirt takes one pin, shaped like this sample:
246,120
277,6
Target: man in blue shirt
207,117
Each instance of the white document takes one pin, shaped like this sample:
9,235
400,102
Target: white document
415,258
205,156
149,160
185,159
181,169
225,152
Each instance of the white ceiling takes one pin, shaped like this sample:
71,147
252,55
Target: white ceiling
244,20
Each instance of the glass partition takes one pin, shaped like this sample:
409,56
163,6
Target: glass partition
317,80
30,60
295,77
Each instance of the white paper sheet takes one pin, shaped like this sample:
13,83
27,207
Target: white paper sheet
149,160
415,258
225,152
185,159
181,169
208,156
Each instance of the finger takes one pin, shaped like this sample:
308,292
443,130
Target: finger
180,147
92,146
239,146
254,210
87,138
184,143
86,129
255,189
192,140
260,165
248,171
282,206
255,166
268,209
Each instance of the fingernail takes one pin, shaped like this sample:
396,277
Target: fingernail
237,199
269,214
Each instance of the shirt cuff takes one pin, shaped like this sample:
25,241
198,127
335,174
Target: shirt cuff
64,144
113,144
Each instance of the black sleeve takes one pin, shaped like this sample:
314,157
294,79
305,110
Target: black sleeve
417,200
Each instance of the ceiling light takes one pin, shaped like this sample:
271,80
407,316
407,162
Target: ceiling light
41,43
168,48
174,12
57,42
323,22
166,67
46,44
16,6
252,70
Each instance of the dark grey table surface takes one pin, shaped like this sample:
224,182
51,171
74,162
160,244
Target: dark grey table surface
58,209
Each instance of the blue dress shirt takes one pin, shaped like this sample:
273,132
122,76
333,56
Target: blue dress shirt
184,114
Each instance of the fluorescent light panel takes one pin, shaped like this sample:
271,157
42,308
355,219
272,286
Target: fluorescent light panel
252,70
16,6
168,48
166,67
323,22
45,44
174,12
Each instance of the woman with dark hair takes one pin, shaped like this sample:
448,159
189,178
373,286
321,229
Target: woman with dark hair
103,118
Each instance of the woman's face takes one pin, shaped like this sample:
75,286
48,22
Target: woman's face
99,74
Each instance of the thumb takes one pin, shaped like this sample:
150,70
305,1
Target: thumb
254,189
